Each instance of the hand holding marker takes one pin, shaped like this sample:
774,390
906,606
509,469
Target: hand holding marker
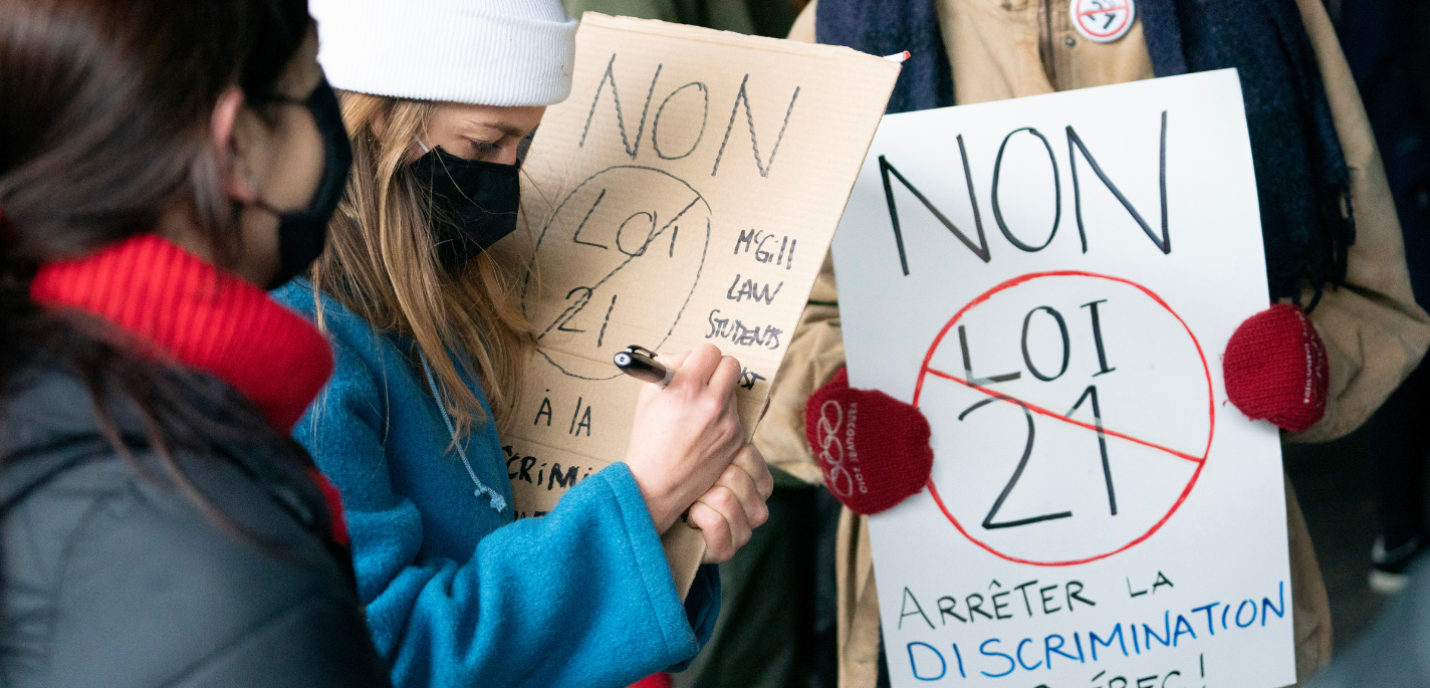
639,363
734,504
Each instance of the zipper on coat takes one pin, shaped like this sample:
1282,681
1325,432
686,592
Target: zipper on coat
1046,48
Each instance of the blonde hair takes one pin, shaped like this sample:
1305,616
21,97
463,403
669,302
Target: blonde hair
381,263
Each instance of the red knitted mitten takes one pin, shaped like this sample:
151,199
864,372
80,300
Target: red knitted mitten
1275,368
874,449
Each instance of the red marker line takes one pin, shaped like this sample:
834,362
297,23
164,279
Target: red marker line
1045,412
1105,10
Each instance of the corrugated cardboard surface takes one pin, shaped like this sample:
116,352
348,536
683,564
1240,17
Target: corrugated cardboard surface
685,192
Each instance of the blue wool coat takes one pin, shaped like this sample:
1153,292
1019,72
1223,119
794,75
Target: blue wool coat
458,593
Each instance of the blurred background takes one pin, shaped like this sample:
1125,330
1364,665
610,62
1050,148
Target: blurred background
1372,483
756,17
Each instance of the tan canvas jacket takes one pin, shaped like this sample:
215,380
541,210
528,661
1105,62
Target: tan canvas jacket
1374,333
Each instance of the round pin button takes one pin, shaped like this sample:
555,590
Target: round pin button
1103,21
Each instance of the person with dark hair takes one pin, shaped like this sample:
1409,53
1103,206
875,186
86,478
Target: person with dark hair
160,164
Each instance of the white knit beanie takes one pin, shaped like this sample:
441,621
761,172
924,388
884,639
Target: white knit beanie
482,52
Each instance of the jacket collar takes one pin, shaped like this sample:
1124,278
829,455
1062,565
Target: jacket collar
174,305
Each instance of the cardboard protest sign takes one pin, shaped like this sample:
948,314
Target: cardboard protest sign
685,192
1051,281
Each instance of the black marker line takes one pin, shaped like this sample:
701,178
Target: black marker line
1091,392
602,337
968,364
1164,243
884,168
988,523
560,322
650,235
610,75
568,373
743,96
576,237
1162,179
655,126
1055,415
973,198
1097,338
1067,343
542,236
699,269
1057,193
981,249
699,198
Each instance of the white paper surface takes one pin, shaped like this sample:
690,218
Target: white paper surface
1188,583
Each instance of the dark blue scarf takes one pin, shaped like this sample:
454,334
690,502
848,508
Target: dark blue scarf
1301,174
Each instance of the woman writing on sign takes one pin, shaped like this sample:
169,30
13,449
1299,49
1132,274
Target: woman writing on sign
160,164
1345,330
429,341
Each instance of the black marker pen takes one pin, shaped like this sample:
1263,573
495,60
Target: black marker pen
639,363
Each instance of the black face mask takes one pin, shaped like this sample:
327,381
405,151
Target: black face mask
303,233
474,204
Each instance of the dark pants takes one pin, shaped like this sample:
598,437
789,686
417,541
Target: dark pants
777,616
1387,45
1402,447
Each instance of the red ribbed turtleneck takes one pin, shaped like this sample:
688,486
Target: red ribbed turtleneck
201,316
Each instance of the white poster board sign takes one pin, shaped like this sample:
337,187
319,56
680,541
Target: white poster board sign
1051,281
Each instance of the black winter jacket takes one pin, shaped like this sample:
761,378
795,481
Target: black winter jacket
112,578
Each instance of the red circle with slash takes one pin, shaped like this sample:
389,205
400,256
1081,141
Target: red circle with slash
928,370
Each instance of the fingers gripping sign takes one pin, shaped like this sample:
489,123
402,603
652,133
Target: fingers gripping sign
728,513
